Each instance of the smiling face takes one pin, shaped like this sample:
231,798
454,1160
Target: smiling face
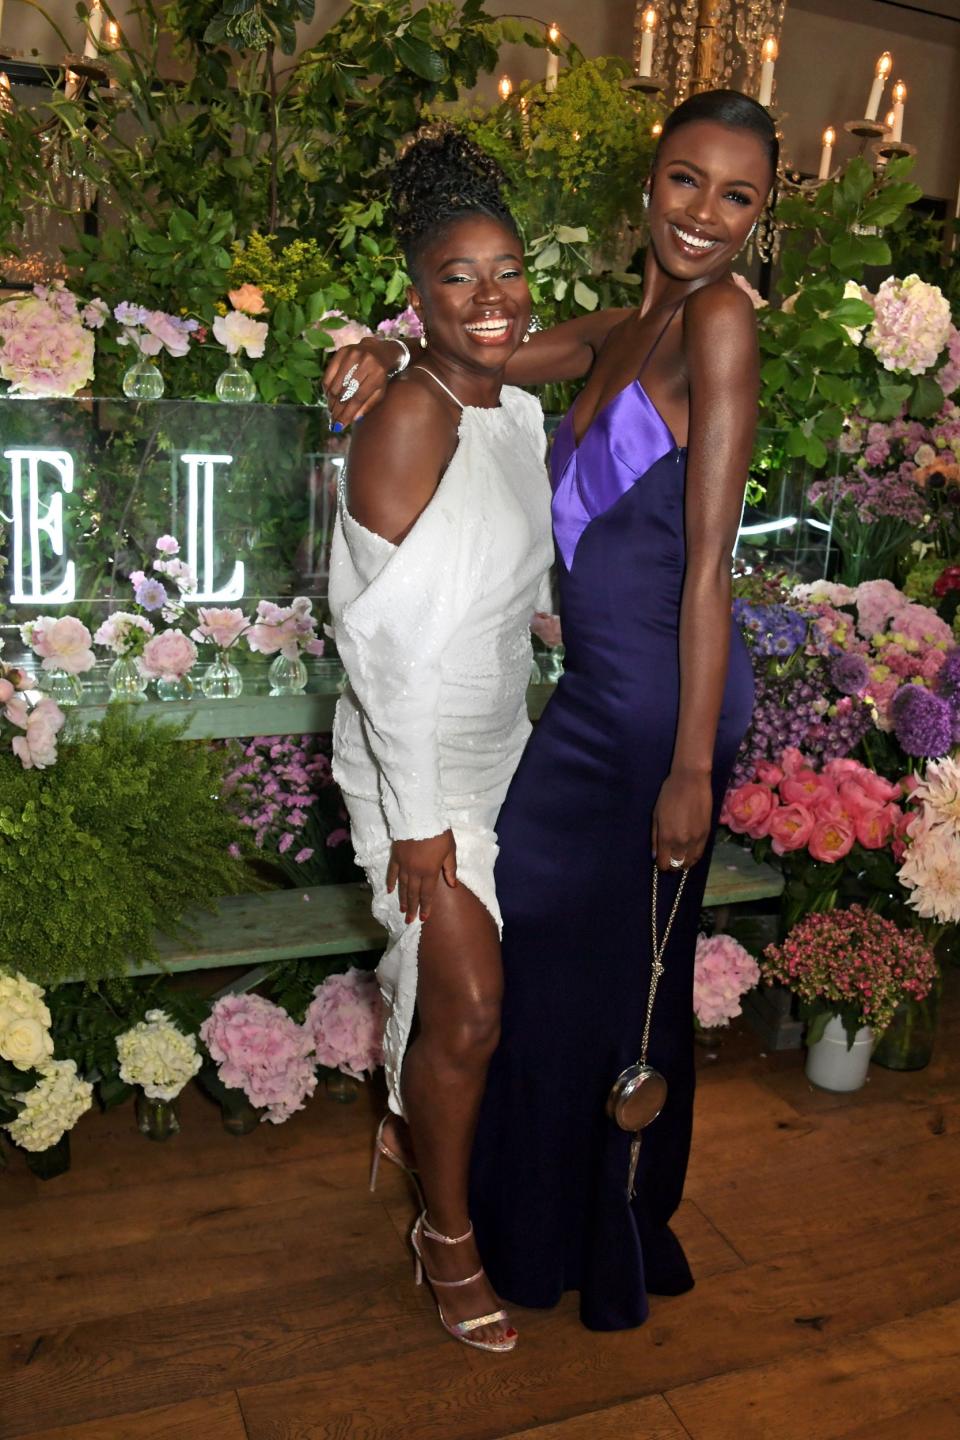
471,293
709,186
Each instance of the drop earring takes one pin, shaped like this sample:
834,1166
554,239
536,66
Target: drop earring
646,199
423,335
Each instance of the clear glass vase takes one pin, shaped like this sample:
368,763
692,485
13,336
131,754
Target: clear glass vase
907,1043
287,677
236,384
173,687
221,679
143,380
55,1160
157,1119
237,1115
342,1088
126,680
61,686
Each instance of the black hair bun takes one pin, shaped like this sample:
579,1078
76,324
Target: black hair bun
441,175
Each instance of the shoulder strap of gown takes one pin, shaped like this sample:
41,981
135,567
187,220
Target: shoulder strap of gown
424,371
663,330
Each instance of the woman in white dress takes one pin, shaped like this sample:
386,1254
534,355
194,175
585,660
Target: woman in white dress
434,579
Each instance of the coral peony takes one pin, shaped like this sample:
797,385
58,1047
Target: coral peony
790,828
830,840
248,299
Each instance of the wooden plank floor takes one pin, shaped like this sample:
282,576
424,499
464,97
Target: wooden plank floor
251,1289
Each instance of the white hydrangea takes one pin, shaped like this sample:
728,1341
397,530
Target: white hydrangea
157,1056
52,1107
24,1023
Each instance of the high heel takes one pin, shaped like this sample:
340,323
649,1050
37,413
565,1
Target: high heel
460,1330
381,1148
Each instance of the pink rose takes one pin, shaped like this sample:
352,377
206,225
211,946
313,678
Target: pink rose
747,809
37,749
768,773
248,298
790,828
830,840
875,828
169,655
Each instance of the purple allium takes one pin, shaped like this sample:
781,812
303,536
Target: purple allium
849,673
948,679
923,722
150,595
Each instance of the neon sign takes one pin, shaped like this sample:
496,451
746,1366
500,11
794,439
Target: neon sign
38,529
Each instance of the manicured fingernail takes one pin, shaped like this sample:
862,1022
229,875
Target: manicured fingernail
336,427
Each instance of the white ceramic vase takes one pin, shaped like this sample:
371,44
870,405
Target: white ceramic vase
834,1066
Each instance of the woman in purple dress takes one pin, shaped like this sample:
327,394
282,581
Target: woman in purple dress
630,760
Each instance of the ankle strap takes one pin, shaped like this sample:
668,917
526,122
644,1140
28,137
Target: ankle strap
431,1234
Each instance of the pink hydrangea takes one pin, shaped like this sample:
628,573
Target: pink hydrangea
877,602
723,971
911,325
346,1021
44,351
168,655
260,1050
948,376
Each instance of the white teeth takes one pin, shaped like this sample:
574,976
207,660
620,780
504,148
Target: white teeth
489,326
694,240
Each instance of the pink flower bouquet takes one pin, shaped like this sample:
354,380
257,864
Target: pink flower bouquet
289,630
345,1020
62,644
45,348
260,1050
723,971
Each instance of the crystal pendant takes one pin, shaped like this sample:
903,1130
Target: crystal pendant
222,680
174,687
287,677
142,381
236,384
126,680
61,686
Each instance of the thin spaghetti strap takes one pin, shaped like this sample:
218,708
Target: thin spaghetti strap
453,397
663,330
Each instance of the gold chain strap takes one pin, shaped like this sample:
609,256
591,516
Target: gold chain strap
659,950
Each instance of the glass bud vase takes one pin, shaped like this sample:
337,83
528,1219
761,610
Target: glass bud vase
237,1115
236,384
287,677
157,1119
342,1088
907,1043
55,1160
143,380
126,680
61,686
173,687
221,679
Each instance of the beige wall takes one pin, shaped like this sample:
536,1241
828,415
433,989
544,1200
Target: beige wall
827,56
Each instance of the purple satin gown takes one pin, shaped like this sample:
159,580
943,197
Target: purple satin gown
573,879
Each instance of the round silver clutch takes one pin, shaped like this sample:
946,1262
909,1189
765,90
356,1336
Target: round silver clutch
639,1094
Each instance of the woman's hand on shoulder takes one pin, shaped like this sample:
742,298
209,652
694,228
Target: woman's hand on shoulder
397,457
371,362
415,869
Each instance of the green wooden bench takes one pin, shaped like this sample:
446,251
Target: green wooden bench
267,928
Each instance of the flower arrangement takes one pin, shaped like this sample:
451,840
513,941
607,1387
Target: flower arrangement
46,343
260,1050
290,630
911,325
124,633
238,331
168,656
930,844
34,727
157,1056
151,331
852,963
51,1107
723,971
62,644
24,1023
345,1020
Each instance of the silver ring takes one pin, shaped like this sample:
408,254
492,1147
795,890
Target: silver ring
676,864
349,390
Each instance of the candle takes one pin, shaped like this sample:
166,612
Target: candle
91,45
826,154
648,24
899,100
505,87
768,56
884,66
553,60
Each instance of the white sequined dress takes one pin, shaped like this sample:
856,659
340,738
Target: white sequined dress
434,636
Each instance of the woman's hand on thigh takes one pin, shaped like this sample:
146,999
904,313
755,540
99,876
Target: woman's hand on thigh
415,868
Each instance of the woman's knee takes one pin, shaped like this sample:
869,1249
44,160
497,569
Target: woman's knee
470,1037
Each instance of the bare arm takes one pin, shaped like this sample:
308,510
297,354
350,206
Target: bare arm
416,431
564,352
723,368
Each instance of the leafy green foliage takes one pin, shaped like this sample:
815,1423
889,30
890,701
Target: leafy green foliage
121,836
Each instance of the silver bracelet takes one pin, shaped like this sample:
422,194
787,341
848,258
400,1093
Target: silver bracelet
404,360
